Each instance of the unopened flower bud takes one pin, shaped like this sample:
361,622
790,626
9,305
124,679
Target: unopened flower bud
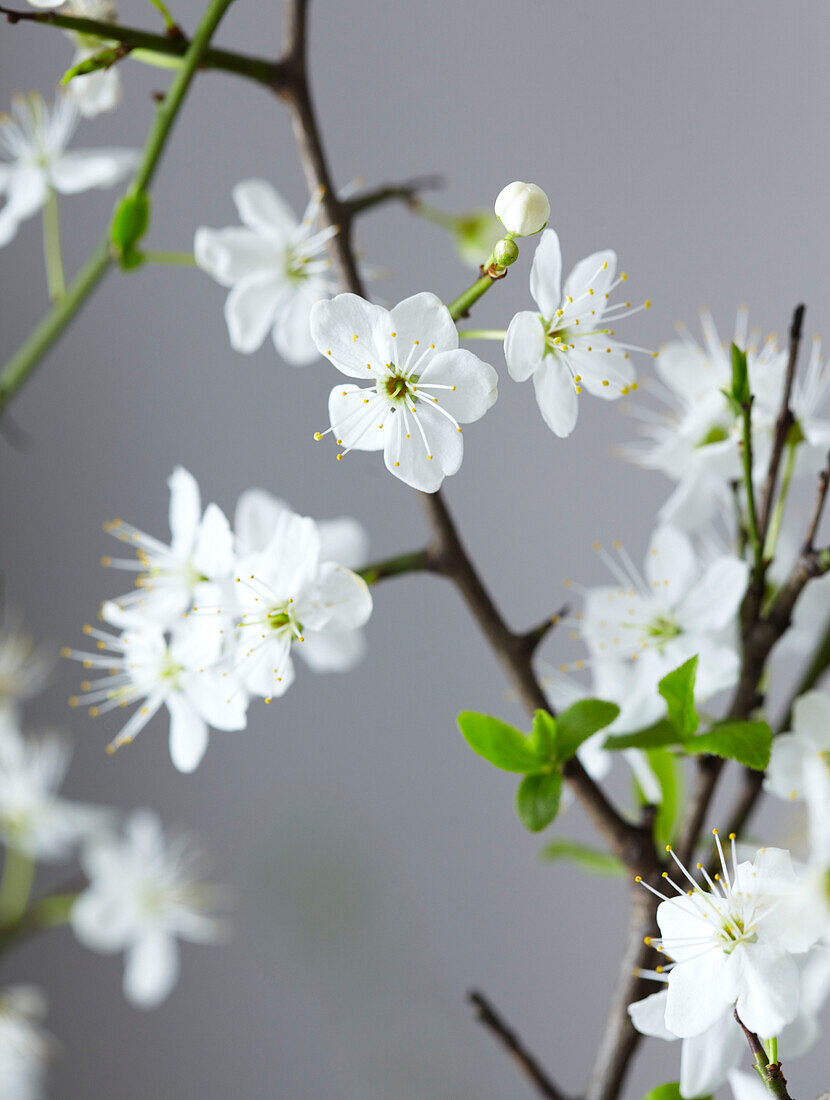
522,208
506,252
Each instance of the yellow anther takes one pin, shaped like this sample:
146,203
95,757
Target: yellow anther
639,878
93,712
73,700
106,560
318,436
647,303
66,651
109,750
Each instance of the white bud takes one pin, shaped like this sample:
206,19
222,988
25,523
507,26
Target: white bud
522,208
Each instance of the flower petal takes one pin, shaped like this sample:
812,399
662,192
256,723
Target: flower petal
762,981
649,1016
811,720
292,329
343,540
524,345
670,564
26,192
151,969
85,168
219,698
337,321
707,1059
340,601
556,397
697,999
188,733
359,418
785,774
546,274
263,210
423,457
333,652
714,601
250,308
101,921
596,271
289,561
475,382
185,511
213,554
424,318
255,520
228,255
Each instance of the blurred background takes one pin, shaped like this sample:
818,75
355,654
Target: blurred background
378,867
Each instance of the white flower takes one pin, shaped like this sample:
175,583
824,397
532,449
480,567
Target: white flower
288,598
23,666
800,759
423,386
201,550
568,343
184,672
99,91
522,208
733,945
34,820
696,441
24,1046
35,161
275,267
709,1059
677,608
142,894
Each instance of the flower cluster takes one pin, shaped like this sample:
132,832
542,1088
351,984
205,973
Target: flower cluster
217,614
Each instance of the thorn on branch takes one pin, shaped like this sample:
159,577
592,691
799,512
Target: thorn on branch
535,636
489,1018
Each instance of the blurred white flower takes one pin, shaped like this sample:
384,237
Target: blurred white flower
275,267
286,599
257,513
35,160
800,759
24,1046
23,665
201,550
568,343
733,945
34,820
142,895
696,441
679,607
522,208
99,91
422,385
183,671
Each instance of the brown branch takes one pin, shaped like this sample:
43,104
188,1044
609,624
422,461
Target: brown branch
489,1018
390,192
782,426
534,637
770,1072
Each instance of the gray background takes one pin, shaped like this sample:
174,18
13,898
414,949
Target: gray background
379,868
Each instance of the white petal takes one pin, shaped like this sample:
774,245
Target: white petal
270,671
670,563
228,255
649,1016
747,1086
292,328
185,511
218,696
151,969
785,774
604,371
596,270
188,733
423,465
290,559
476,384
556,397
697,999
359,419
213,554
684,370
683,930
343,540
336,322
341,601
102,920
762,981
26,192
250,308
95,93
263,210
85,168
524,345
333,652
546,274
424,318
255,520
714,601
707,1059
811,719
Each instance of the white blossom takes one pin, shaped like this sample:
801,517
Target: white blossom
24,666
800,759
24,1046
35,160
34,819
423,387
99,91
568,343
522,208
200,551
276,270
142,895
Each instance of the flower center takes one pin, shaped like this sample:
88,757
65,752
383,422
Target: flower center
398,387
295,266
716,434
662,629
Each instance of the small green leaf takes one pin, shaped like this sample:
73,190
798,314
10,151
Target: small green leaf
678,689
504,746
669,1091
661,733
740,377
669,774
543,735
747,742
537,800
101,60
130,223
589,859
579,722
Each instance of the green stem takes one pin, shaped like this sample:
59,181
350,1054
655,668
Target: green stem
482,333
16,885
471,295
437,217
416,561
780,504
270,73
172,259
52,911
55,279
164,12
21,365
751,514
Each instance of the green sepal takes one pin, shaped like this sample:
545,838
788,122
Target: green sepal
101,60
678,689
129,224
579,722
749,743
502,745
589,859
740,377
537,800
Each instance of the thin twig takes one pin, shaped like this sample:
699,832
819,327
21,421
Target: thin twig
417,561
390,192
770,1072
818,506
534,637
489,1018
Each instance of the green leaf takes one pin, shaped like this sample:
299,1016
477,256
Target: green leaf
579,722
669,774
537,800
543,735
661,733
589,859
130,223
101,60
504,746
747,742
740,376
678,689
